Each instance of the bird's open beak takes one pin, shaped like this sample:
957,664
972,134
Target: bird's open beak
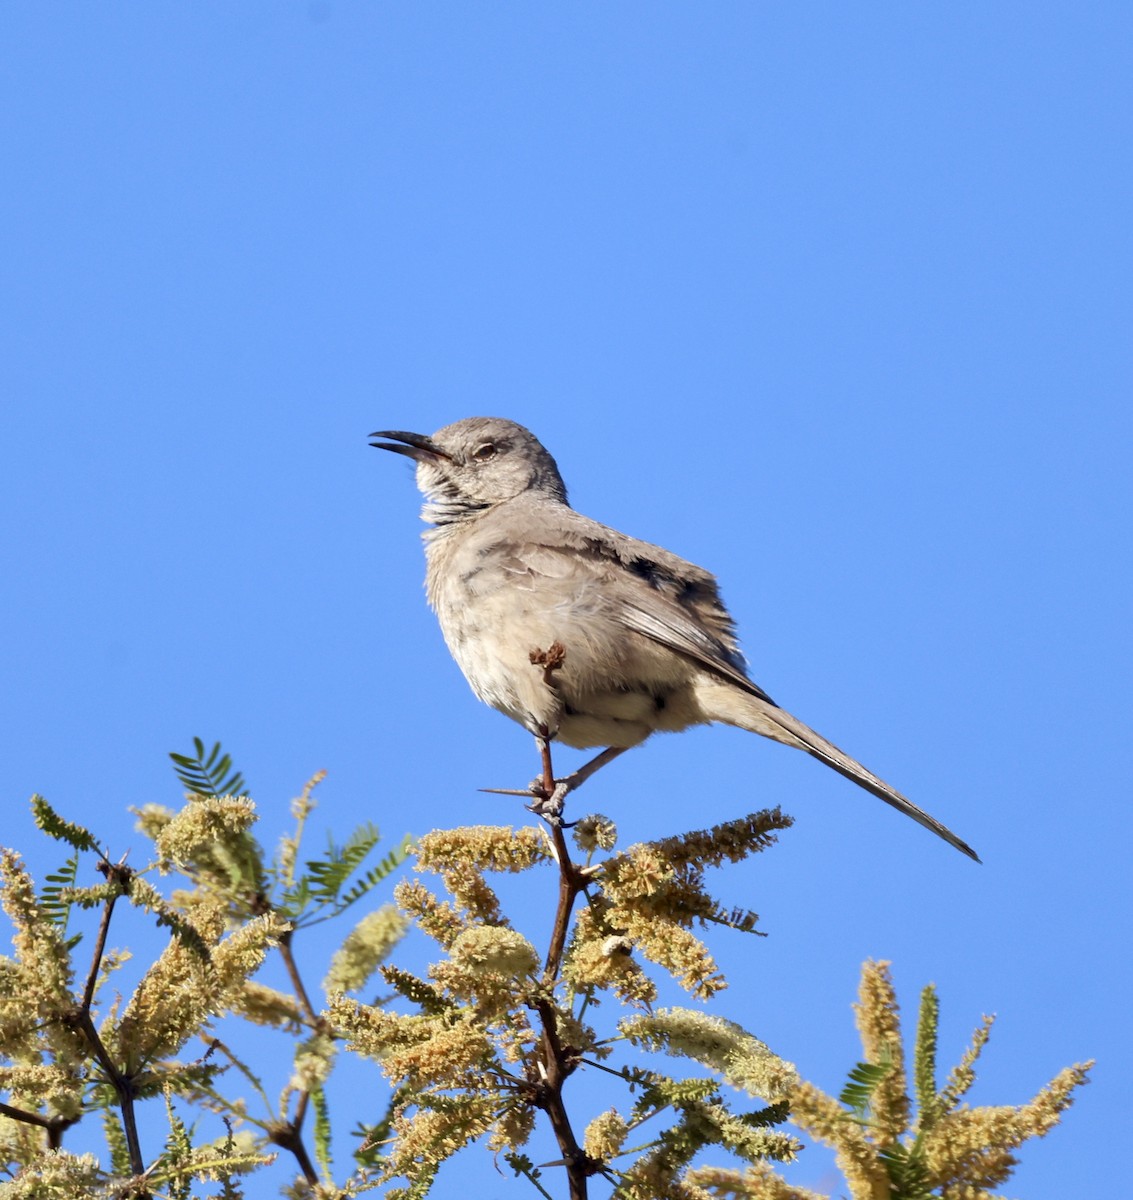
413,445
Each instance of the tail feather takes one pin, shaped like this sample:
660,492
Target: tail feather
757,715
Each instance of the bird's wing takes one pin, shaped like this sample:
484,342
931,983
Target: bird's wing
658,595
672,626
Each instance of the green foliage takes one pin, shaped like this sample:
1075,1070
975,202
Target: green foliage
173,1166
429,999
208,774
88,1052
326,887
230,1184
322,1130
743,920
56,895
864,1080
168,916
924,1062
903,1162
115,1137
526,1169
909,1176
370,1153
318,893
944,1150
661,1092
481,1045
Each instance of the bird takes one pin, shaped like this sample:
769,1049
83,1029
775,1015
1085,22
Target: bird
582,634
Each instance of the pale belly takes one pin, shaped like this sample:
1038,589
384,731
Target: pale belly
614,687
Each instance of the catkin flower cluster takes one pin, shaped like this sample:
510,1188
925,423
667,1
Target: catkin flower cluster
648,898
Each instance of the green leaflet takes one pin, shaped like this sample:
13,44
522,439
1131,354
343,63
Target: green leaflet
208,775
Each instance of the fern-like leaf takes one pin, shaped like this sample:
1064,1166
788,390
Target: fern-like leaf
374,876
907,1171
864,1080
115,1136
208,774
525,1168
144,895
230,1189
330,873
431,1000
773,1114
660,1092
321,885
54,898
176,1156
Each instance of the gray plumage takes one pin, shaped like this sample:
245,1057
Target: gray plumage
649,645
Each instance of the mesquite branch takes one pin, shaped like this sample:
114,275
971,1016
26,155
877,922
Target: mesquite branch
82,1022
555,1061
289,1134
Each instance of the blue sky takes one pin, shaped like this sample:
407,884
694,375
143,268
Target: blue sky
833,300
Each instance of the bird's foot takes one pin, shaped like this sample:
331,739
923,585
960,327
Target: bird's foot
549,805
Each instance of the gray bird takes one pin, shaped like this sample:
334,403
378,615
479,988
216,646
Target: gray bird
647,643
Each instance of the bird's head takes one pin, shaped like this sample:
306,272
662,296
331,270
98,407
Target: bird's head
475,464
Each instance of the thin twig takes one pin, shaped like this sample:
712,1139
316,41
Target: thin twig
534,1182
214,1043
297,980
569,887
119,874
289,1135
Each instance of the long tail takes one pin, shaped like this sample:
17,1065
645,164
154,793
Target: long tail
726,703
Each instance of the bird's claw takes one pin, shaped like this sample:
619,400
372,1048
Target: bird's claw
549,806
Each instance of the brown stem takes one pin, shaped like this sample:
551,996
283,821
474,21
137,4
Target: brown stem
297,980
119,874
290,1137
52,1126
28,1118
556,1068
570,884
96,959
555,1062
123,1085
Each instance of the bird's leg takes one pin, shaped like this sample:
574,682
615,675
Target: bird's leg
549,799
577,778
548,803
549,793
543,741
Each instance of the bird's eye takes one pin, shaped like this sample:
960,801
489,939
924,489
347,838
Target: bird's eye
484,452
